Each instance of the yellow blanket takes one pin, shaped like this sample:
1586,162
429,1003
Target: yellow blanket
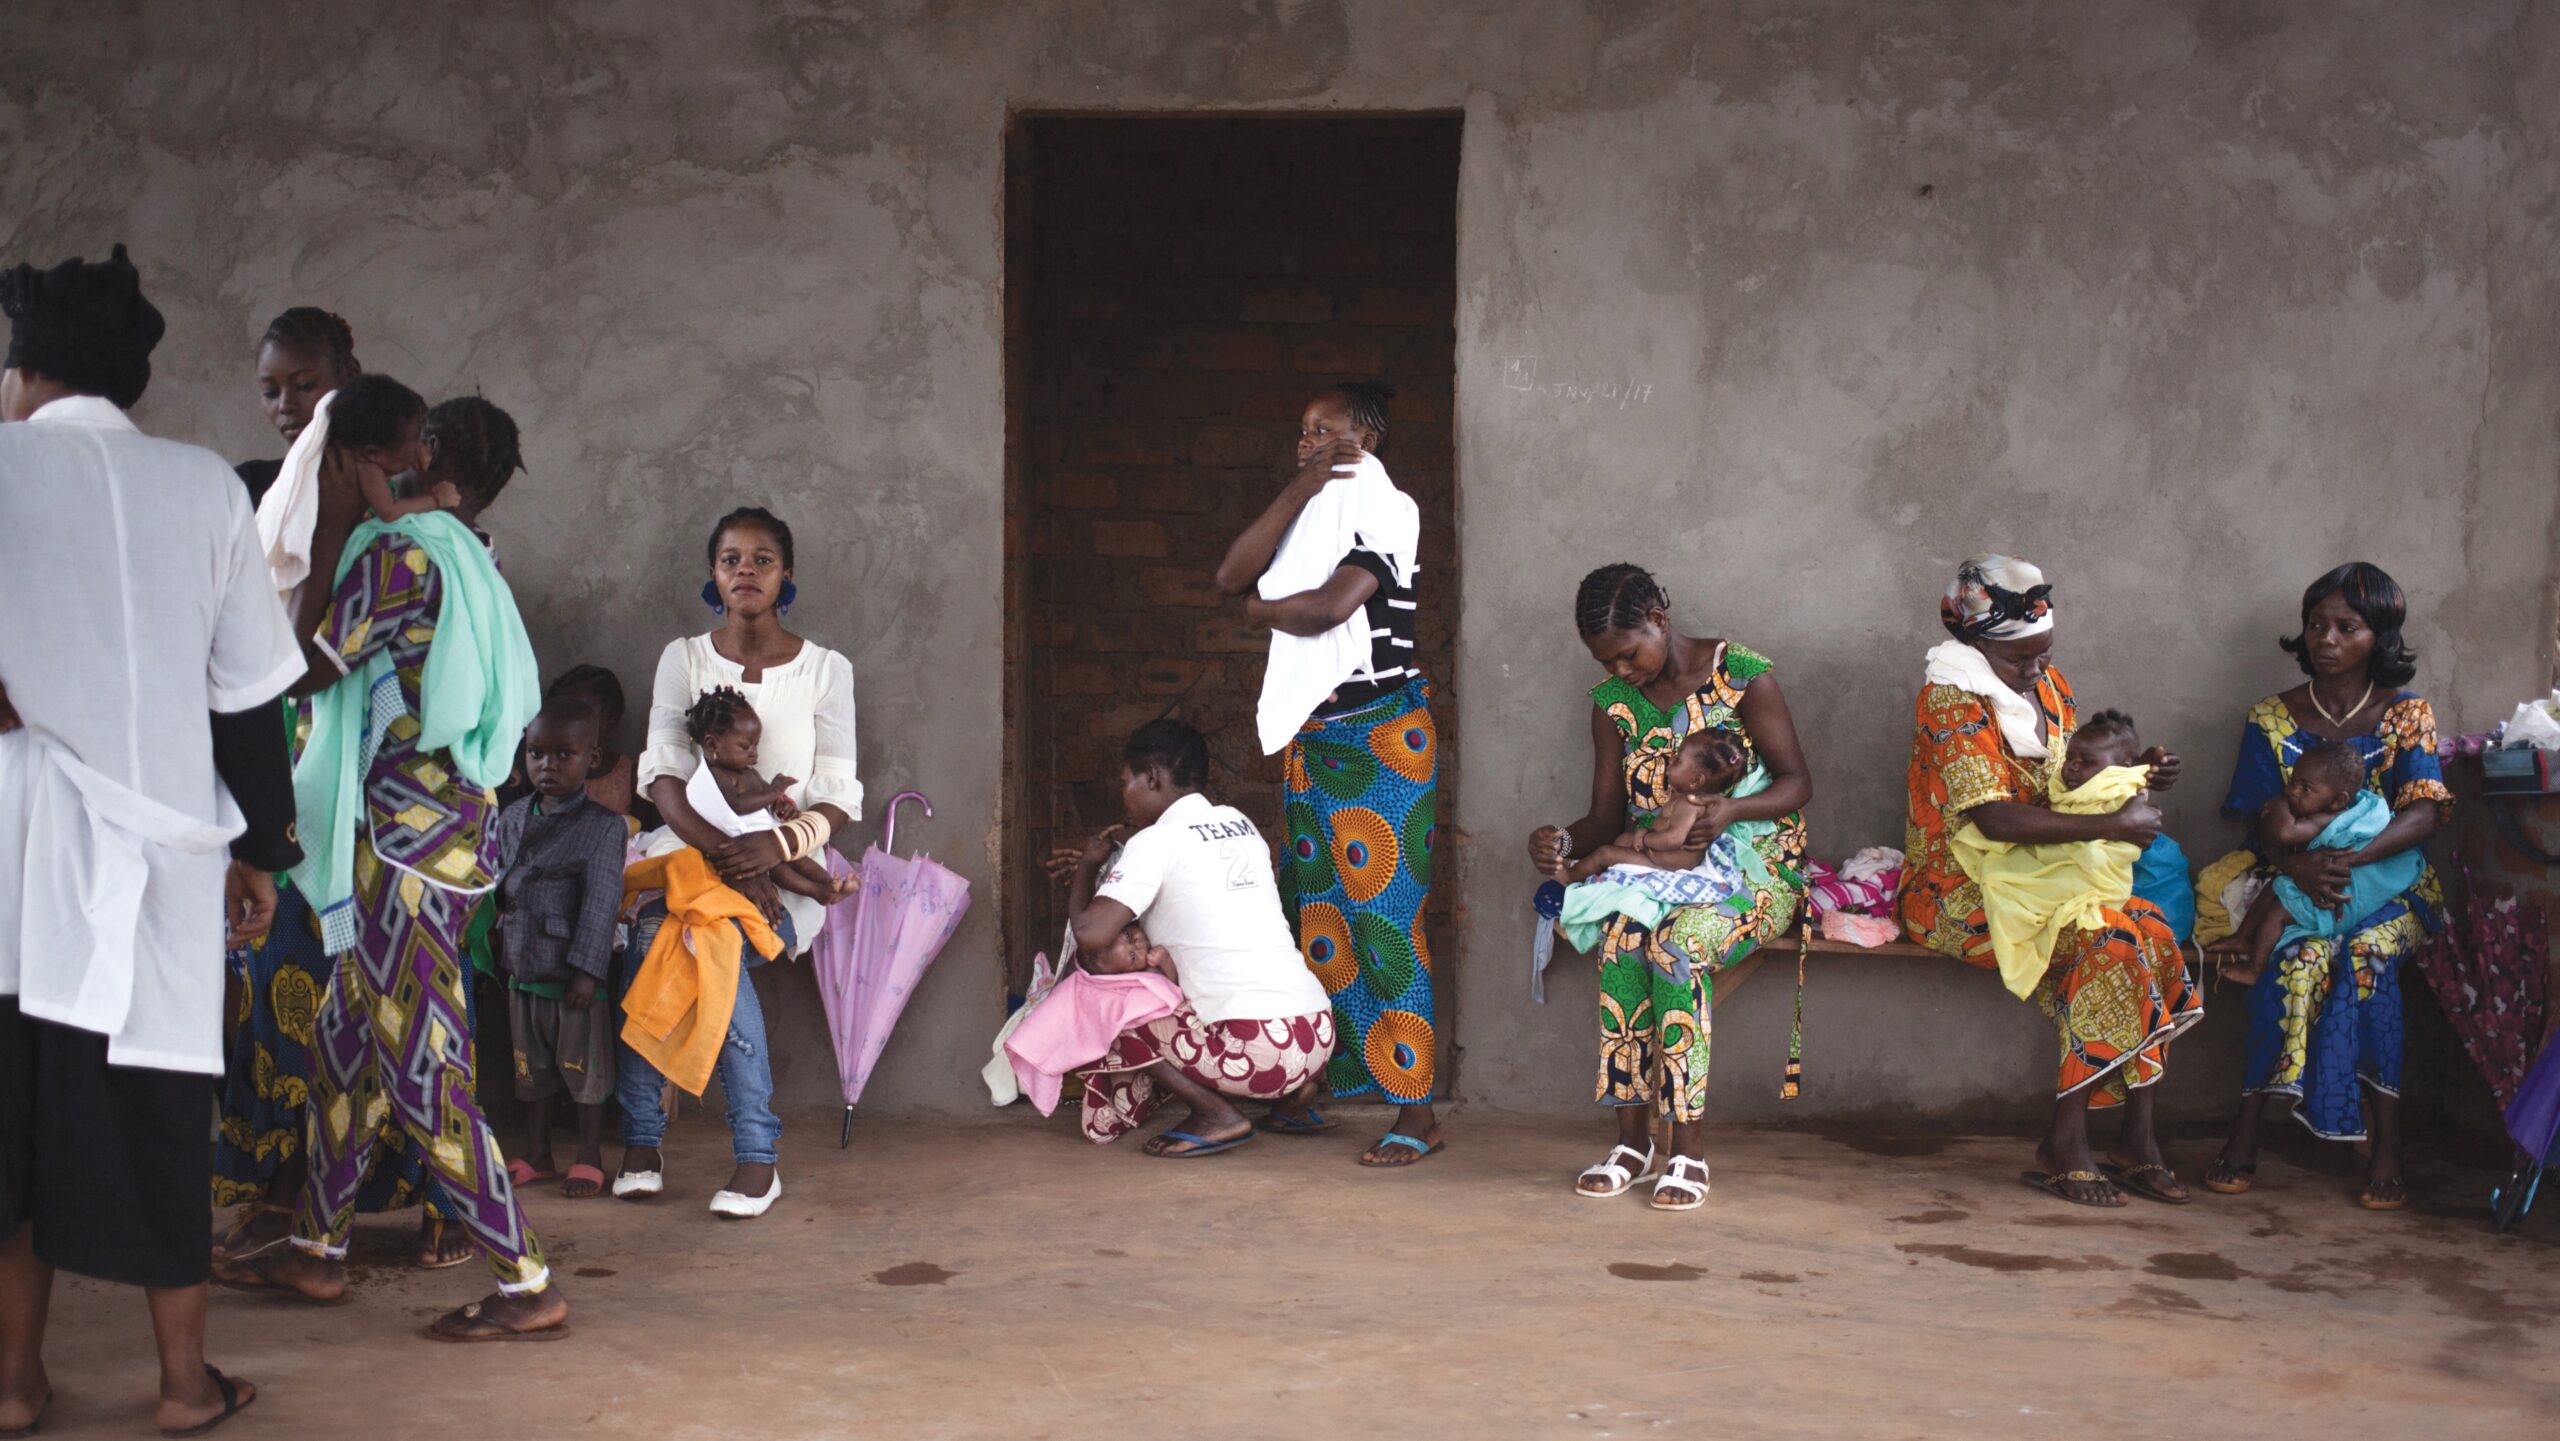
677,1012
2032,893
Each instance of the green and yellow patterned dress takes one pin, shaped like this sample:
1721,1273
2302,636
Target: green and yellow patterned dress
1656,983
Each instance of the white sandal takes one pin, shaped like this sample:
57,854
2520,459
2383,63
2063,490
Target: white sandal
1620,1179
1666,1191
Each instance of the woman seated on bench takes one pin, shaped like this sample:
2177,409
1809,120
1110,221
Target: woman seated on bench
1657,981
1993,719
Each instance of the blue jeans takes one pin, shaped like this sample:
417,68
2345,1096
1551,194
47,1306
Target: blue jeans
745,1067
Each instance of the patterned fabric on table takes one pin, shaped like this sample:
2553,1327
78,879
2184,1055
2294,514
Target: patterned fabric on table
393,1035
1657,983
2118,993
1258,1060
2326,1015
1363,818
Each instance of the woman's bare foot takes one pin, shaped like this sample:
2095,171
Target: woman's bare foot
23,1398
501,1317
291,1269
185,1408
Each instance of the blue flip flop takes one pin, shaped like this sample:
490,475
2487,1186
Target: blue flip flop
1200,1145
1280,1125
1398,1138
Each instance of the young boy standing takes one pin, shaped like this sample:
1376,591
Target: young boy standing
559,895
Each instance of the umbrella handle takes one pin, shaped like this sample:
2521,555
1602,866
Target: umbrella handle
844,1140
889,838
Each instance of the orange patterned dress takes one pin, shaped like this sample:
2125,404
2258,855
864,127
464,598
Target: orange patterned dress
2117,994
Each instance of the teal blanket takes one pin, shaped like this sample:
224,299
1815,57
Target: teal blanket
479,689
2369,887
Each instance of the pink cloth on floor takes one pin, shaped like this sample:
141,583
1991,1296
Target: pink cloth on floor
1075,1024
1859,930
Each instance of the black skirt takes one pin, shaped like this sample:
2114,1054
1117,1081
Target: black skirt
109,1164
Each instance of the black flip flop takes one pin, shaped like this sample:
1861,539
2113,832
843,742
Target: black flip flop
2135,1179
490,1330
2052,1184
232,1405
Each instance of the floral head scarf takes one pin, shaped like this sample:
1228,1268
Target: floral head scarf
1997,597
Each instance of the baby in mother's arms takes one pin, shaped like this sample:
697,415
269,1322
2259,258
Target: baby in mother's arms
2324,806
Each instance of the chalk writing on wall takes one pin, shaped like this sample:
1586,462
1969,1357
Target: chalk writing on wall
1520,372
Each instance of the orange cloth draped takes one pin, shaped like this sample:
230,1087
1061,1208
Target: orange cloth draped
676,1014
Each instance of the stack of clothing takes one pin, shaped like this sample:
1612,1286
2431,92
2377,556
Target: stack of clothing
1854,903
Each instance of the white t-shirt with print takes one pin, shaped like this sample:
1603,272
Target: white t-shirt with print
1200,881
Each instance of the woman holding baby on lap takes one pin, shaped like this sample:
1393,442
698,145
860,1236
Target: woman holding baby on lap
740,718
2324,1005
1993,725
1690,856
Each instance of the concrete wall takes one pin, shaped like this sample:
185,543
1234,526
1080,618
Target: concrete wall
2187,301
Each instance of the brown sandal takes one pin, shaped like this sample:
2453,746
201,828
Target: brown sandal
468,1325
2137,1179
2225,1179
2052,1184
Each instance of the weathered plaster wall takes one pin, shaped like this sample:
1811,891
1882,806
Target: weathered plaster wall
2187,301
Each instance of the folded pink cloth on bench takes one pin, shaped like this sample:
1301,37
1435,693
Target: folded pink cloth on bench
1858,930
1075,1024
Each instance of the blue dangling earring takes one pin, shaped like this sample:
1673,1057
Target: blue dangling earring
711,598
790,593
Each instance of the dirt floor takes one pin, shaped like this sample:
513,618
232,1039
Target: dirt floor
1000,1278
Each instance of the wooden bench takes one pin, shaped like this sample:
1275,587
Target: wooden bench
1785,946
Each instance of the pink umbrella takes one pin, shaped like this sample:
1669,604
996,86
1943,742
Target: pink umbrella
875,947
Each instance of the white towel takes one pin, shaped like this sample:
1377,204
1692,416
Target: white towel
1359,504
75,917
702,792
1954,663
290,510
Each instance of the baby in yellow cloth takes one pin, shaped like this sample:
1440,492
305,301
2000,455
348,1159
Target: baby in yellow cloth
2031,894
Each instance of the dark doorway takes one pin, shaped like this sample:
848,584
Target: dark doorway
1176,290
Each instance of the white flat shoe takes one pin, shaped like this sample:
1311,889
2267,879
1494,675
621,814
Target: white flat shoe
638,1185
738,1206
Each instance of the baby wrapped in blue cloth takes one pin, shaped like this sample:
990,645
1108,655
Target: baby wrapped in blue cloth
1646,874
2324,806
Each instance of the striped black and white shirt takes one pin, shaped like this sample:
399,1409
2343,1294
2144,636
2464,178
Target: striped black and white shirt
1389,612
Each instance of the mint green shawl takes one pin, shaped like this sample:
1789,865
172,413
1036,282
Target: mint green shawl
478,691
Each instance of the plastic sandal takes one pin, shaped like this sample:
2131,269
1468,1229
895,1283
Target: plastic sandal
1620,1179
1397,1138
2224,1179
1672,1180
583,1172
232,1405
2052,1185
1197,1146
522,1173
2138,1180
1280,1125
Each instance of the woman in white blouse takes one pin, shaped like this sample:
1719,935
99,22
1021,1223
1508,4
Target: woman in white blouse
803,694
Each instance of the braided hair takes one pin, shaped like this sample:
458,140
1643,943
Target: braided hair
754,515
477,447
715,711
1616,597
1366,400
311,328
371,411
2107,723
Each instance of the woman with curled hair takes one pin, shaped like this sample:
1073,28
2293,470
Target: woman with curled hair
2324,1016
